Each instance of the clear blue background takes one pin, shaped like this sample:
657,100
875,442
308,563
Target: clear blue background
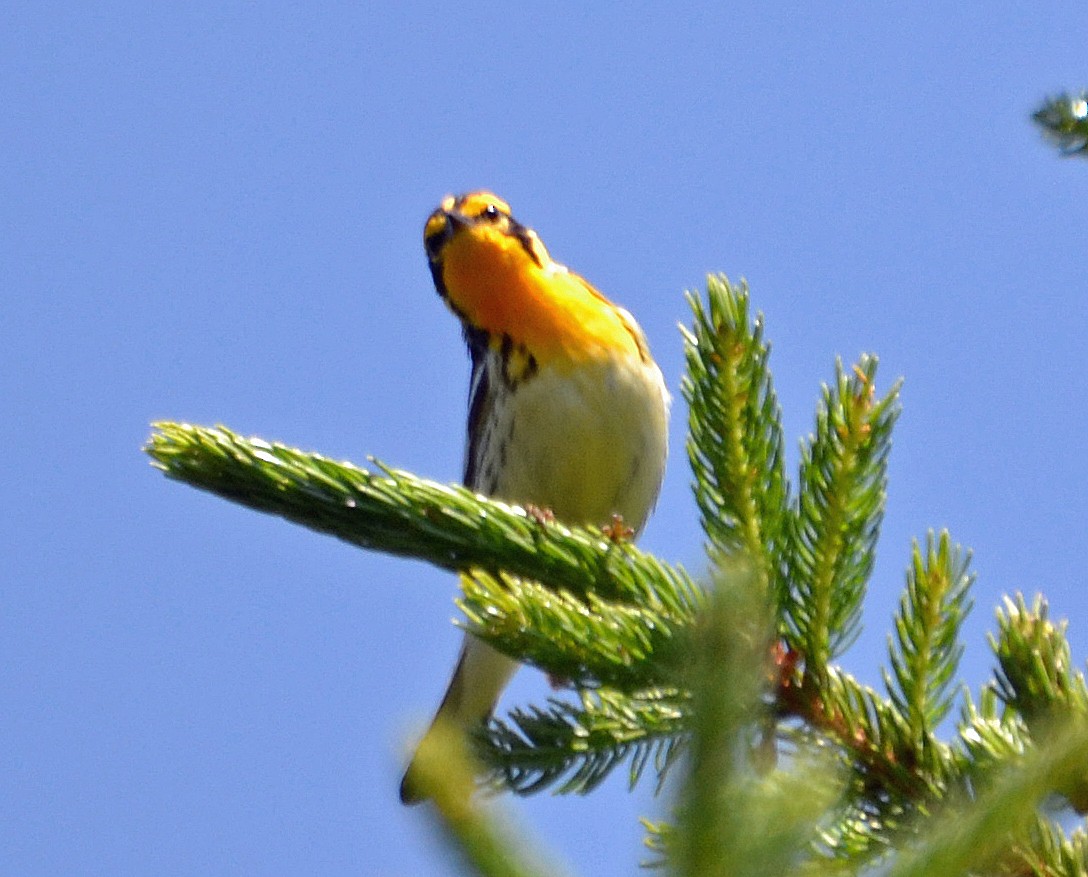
212,212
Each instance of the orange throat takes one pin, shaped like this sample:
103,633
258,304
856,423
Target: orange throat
498,287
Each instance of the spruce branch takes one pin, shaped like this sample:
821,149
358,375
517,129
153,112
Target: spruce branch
1037,680
1064,121
840,507
577,747
732,677
588,641
989,733
994,830
1047,851
399,513
767,819
1037,677
888,784
926,649
735,434
474,834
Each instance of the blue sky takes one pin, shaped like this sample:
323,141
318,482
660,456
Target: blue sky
212,212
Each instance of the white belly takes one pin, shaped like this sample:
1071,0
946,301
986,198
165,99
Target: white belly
585,444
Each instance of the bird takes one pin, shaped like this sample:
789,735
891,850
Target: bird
567,412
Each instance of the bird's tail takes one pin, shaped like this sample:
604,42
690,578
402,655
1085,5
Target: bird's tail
478,680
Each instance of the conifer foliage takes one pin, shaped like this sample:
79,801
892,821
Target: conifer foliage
1064,121
785,763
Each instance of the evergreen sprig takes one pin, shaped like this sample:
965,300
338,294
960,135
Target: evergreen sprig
1037,677
399,513
1064,120
926,648
840,507
792,765
769,820
572,749
485,846
989,733
1037,680
586,640
734,430
887,791
1047,852
994,832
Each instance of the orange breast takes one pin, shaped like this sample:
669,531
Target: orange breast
500,288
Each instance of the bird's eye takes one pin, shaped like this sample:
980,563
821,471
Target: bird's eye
491,213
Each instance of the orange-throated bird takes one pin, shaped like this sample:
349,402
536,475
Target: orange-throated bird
567,409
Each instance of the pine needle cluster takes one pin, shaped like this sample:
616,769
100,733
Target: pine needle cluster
1064,121
731,683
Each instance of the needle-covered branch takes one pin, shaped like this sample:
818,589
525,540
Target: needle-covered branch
1064,121
841,499
399,513
735,431
993,832
740,680
1038,681
1037,676
1047,850
475,834
588,641
888,787
768,820
573,748
926,648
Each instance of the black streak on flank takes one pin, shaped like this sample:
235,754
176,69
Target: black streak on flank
479,403
518,364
